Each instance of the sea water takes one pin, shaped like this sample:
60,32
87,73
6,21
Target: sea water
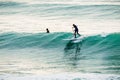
28,53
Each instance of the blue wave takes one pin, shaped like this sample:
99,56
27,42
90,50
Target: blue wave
23,40
96,48
9,40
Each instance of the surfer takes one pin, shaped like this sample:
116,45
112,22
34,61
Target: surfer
47,30
75,30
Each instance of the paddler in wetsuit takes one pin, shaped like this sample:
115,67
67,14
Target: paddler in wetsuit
75,30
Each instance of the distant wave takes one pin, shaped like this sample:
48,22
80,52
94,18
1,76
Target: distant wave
9,3
63,10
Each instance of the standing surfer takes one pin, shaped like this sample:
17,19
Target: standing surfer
75,30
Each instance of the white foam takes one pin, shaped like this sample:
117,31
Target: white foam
63,76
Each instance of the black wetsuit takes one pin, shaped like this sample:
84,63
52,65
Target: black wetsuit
76,29
47,31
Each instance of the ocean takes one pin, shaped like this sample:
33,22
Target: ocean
27,52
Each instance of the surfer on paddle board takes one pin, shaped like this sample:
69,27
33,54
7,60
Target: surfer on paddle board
75,30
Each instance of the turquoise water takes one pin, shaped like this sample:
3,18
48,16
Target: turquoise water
44,52
25,48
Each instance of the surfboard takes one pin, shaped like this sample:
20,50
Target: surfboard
75,40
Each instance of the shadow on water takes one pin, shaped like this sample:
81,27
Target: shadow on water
72,52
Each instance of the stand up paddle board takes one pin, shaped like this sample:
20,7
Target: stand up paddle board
75,40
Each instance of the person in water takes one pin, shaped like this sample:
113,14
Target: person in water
75,30
47,30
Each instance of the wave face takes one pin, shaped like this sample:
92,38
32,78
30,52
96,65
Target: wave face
26,40
56,53
41,40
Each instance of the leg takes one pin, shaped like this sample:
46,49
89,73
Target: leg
75,34
78,34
